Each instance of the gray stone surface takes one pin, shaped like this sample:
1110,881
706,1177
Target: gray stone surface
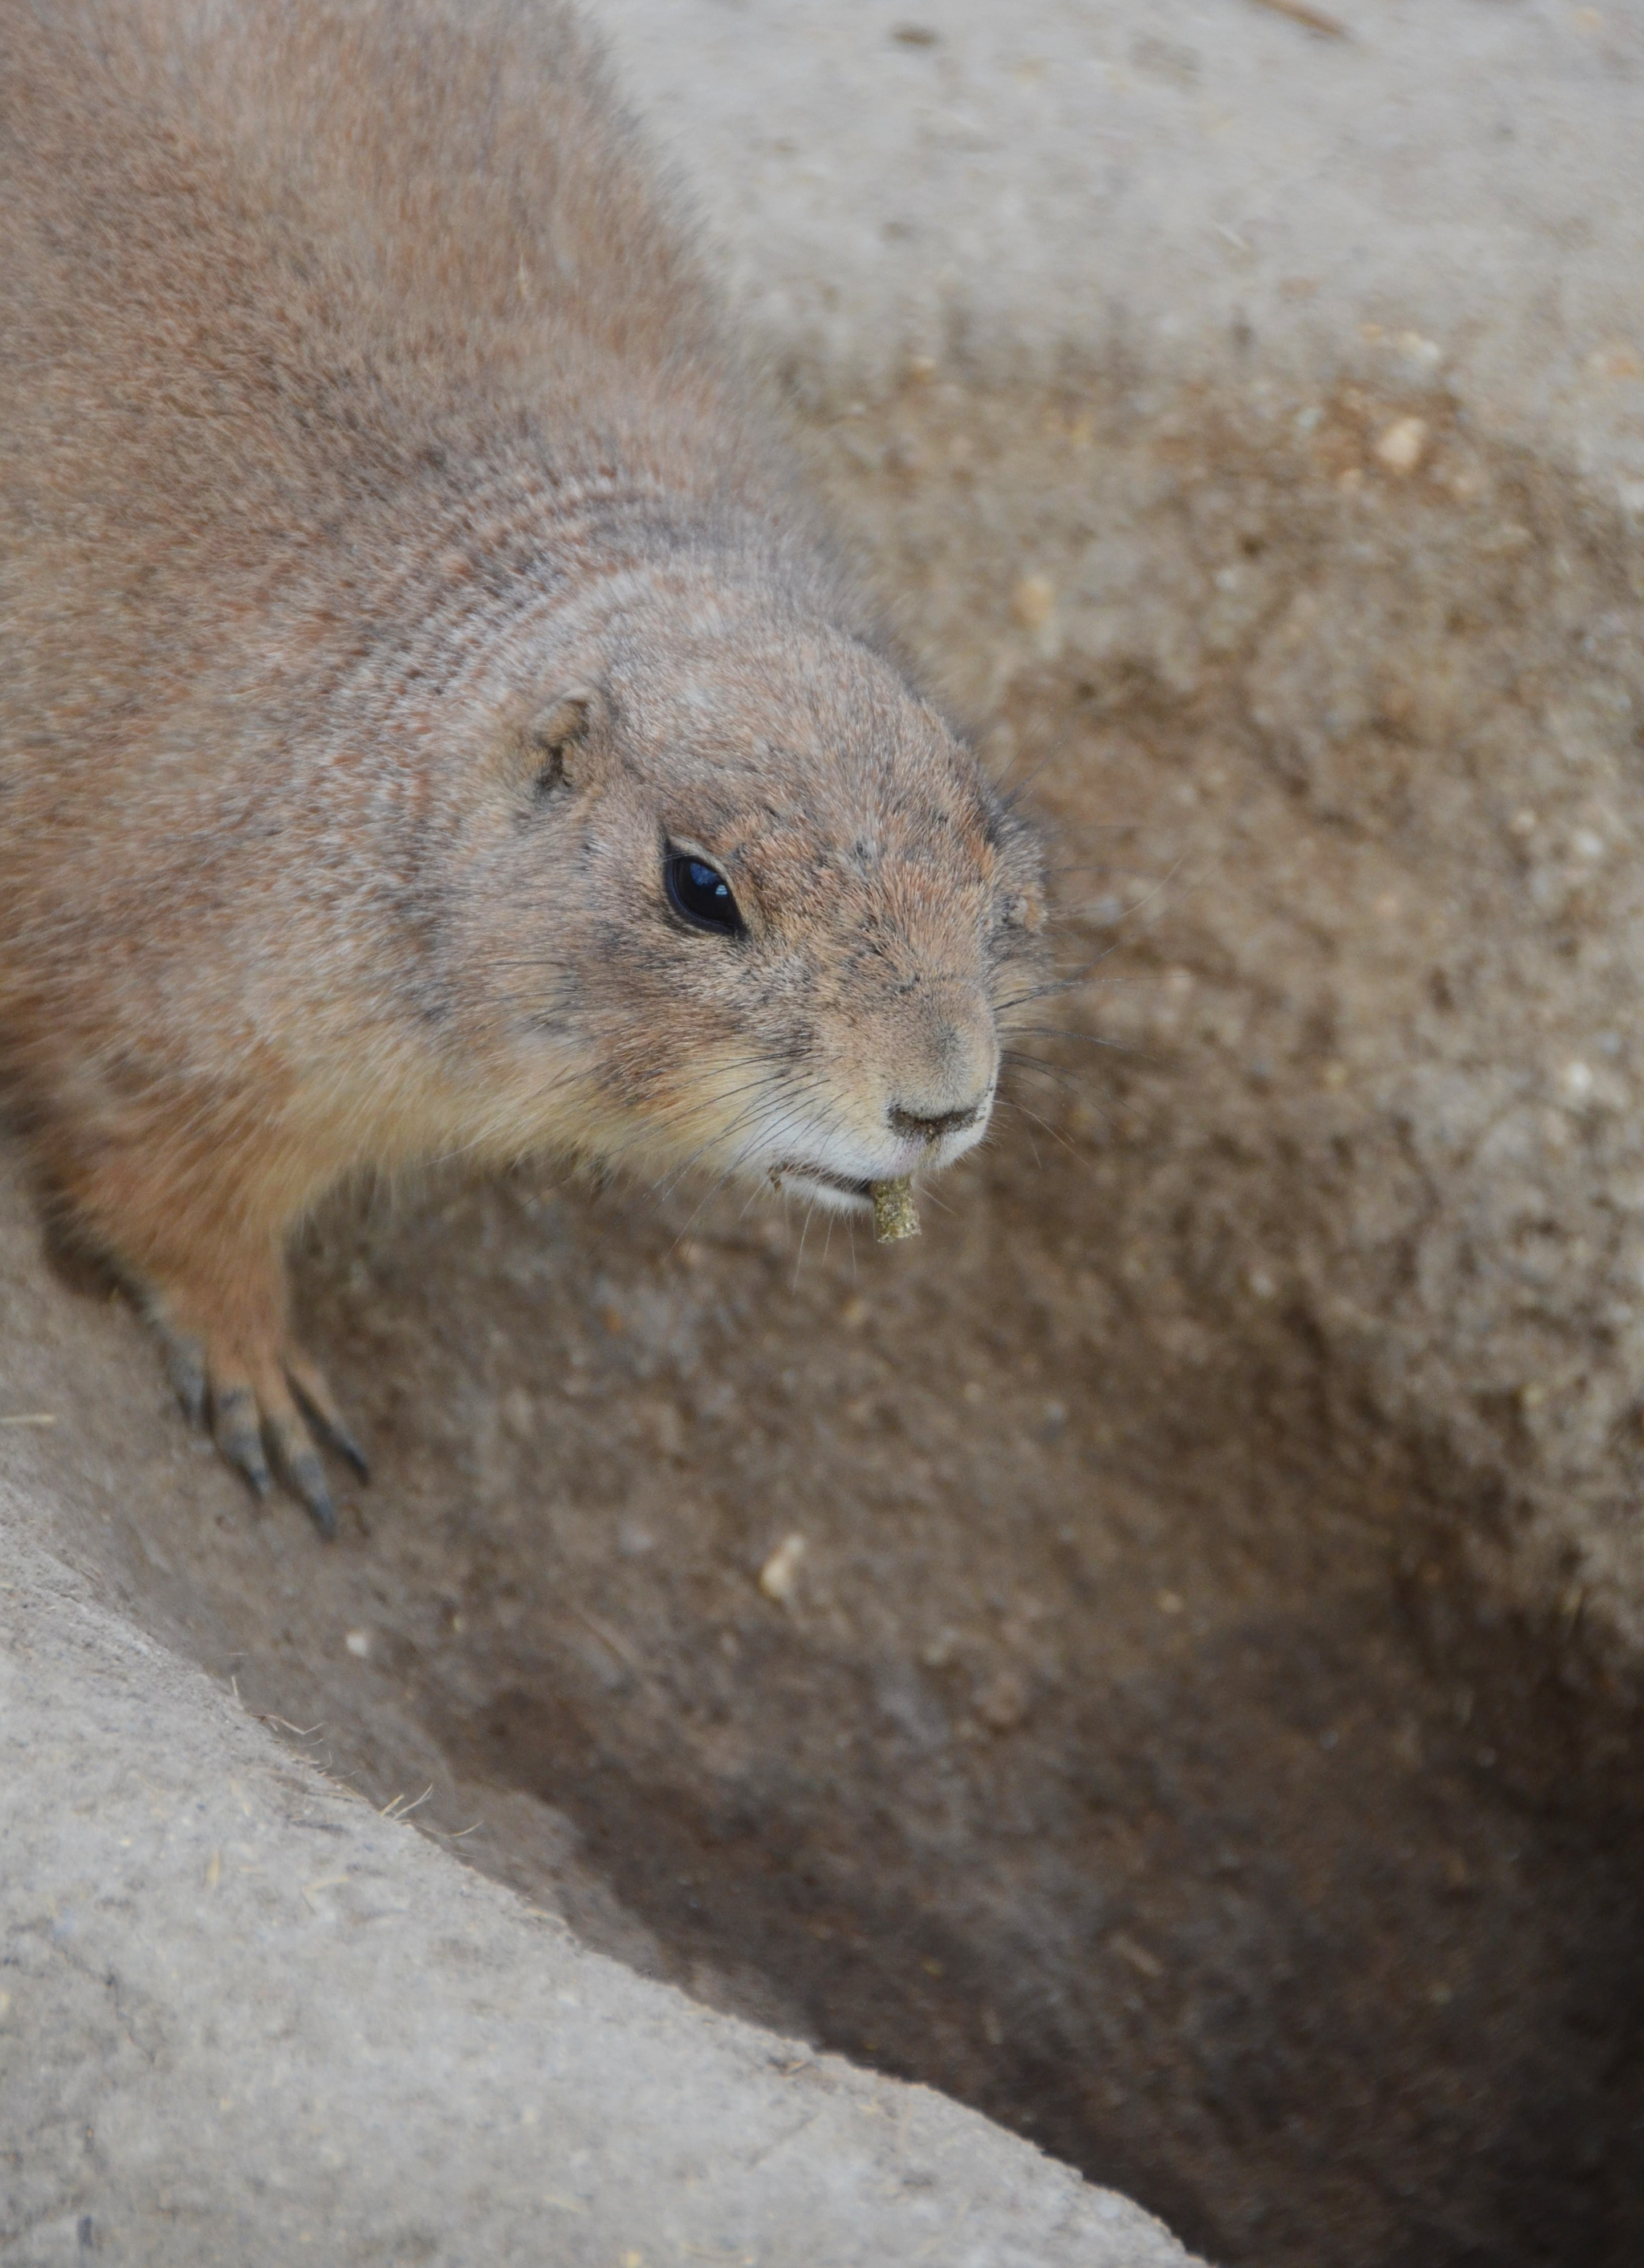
245,2018
1199,187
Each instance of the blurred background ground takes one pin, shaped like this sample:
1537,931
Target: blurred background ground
1200,1727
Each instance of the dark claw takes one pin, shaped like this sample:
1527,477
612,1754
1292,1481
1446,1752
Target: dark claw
185,1365
333,1432
239,1436
339,1438
302,1470
308,1477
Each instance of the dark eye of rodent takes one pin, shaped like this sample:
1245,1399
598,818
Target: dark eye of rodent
703,896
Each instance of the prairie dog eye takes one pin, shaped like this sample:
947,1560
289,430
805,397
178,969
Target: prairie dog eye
700,895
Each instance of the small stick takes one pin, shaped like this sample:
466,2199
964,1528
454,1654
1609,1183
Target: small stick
1315,19
895,1214
611,1640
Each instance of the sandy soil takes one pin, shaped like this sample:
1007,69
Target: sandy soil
1170,1739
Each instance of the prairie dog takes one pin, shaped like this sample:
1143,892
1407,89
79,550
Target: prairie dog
429,724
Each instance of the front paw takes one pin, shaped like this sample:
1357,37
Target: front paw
264,1401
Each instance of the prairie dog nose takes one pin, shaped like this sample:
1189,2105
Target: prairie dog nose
947,1066
919,1126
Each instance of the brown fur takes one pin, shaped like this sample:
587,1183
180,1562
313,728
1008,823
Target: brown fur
393,562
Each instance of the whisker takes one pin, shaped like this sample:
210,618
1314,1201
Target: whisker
1020,787
1163,883
665,1189
1005,1103
1055,1135
1065,983
720,1183
1064,1032
798,1259
1031,1067
1058,985
1036,728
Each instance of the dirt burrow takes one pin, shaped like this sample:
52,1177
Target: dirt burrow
1344,765
1198,1726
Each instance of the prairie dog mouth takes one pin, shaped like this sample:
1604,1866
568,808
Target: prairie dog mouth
833,1189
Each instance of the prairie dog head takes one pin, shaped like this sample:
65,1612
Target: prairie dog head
750,909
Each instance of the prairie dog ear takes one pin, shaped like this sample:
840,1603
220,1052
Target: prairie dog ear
563,744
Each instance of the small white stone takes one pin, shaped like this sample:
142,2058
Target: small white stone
1033,601
358,1644
1403,445
778,1578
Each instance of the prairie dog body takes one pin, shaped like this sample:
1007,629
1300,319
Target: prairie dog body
428,724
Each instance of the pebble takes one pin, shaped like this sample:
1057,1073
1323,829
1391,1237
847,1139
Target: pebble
1404,445
1003,1705
1032,601
778,1578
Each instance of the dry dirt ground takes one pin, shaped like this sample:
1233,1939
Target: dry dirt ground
1199,1727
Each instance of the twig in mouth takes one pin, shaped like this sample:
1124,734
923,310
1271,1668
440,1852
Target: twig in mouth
895,1216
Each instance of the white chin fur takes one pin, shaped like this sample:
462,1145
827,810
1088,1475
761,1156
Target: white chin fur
828,1194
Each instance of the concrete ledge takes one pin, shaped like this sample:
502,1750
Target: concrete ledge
243,2016
1444,196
